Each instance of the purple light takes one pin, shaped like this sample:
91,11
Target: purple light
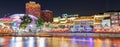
78,40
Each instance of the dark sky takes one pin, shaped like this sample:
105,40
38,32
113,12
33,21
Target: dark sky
82,7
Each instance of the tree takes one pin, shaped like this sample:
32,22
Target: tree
76,15
25,21
39,22
62,26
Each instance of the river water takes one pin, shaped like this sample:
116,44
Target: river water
74,41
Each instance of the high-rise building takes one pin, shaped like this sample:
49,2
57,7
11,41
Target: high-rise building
47,15
33,8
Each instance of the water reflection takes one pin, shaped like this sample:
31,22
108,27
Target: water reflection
29,42
41,42
16,42
58,42
82,42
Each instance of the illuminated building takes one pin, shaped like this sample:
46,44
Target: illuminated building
84,24
101,21
7,21
89,20
17,22
115,18
106,24
33,8
56,19
5,24
47,15
98,19
63,20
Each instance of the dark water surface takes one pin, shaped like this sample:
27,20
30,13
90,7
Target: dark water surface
8,41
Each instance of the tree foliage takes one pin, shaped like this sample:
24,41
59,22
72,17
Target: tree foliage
62,26
25,21
39,22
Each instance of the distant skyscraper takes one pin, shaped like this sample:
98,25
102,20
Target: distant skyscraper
47,16
33,8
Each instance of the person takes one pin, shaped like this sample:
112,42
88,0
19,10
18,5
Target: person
30,30
106,24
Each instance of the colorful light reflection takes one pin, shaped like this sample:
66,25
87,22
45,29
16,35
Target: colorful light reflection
82,42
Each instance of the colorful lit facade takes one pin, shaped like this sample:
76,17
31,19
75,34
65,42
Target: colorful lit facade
33,8
84,24
5,25
101,22
83,21
47,15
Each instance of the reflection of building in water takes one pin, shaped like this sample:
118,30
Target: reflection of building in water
6,41
107,43
74,41
82,42
41,42
61,42
49,42
29,42
102,42
98,43
56,40
16,42
116,42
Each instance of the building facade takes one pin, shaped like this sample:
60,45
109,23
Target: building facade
47,15
102,21
33,8
115,18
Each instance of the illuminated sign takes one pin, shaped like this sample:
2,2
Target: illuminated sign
72,15
56,19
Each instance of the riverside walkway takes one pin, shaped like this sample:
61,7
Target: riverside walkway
45,34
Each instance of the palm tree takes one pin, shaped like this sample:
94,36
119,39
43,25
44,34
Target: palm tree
25,21
39,23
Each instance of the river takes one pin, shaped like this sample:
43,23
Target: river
74,41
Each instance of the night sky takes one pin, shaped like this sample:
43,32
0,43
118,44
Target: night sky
82,7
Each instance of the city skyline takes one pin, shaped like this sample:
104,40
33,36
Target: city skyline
82,7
